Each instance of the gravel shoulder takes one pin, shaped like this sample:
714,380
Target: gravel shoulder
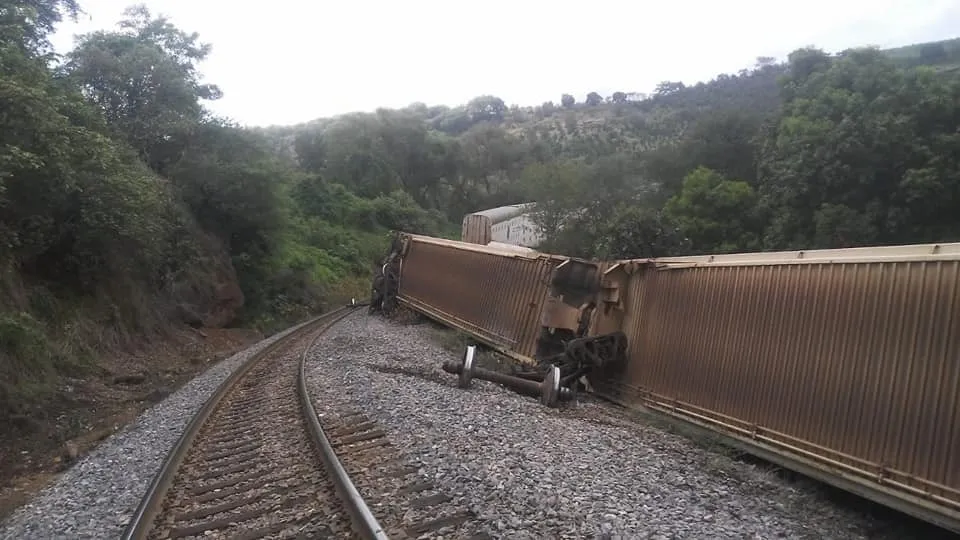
96,497
585,471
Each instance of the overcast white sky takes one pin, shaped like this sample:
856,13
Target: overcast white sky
290,61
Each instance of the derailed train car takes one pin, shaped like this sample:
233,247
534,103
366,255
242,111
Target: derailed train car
841,364
495,293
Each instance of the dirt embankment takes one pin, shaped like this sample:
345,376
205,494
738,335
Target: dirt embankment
45,440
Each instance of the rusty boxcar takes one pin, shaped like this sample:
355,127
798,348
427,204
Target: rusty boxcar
842,364
494,293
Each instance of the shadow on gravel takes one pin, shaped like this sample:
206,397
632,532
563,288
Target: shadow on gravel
887,523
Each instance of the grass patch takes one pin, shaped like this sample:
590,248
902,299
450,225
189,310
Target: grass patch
451,339
29,361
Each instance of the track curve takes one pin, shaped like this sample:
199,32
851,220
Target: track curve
246,466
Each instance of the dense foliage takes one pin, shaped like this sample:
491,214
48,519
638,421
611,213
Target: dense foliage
125,205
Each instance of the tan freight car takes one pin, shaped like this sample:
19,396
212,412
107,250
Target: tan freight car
841,364
494,293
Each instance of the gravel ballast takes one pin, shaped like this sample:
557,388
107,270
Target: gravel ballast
96,497
581,472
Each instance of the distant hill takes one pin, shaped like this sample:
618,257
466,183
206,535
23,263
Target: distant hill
641,124
622,122
944,55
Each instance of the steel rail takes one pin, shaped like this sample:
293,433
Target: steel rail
364,522
142,520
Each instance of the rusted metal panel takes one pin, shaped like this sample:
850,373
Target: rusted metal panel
847,358
515,248
495,294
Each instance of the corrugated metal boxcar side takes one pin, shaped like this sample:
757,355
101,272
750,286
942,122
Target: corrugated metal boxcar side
844,362
495,294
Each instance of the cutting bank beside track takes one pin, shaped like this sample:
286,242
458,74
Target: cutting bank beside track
247,465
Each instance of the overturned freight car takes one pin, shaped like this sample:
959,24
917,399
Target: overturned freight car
841,364
494,293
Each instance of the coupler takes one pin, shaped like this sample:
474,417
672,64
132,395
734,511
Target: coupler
549,390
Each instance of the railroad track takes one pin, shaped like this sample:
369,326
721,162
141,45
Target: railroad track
407,504
247,465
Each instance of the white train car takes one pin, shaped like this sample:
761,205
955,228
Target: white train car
502,225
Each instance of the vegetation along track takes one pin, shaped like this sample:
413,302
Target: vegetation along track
247,467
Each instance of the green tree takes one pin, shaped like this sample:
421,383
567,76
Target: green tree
558,188
353,153
666,88
933,53
724,140
575,200
229,180
74,204
633,232
715,214
764,62
145,80
28,23
865,148
489,108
